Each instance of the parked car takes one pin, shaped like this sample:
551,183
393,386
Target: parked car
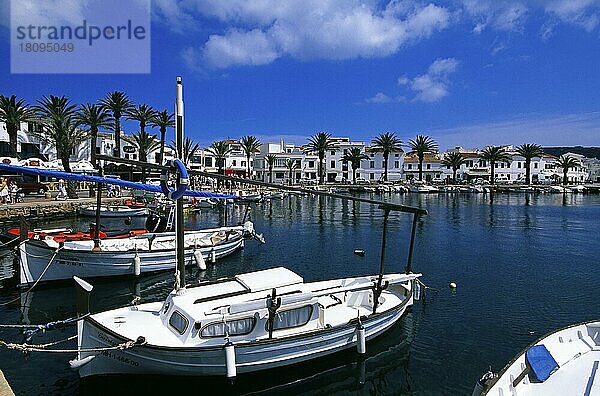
27,184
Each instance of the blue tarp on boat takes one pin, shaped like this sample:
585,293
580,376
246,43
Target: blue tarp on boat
541,362
105,180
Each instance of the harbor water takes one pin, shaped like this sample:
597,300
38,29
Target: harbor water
524,265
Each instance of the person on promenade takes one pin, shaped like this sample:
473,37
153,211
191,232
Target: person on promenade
62,191
4,191
12,190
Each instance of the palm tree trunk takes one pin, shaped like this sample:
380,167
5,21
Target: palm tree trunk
454,176
353,175
71,187
117,150
321,159
565,171
527,171
94,137
420,169
385,167
270,174
163,131
12,130
248,166
493,165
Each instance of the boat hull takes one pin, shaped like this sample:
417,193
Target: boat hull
210,361
35,257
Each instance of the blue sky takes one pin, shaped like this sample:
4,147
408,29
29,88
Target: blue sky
466,72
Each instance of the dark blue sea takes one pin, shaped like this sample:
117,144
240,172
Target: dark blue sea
524,264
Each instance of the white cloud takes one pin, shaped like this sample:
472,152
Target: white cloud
582,13
433,85
507,15
379,97
261,31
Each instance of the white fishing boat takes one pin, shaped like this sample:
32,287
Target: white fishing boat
423,188
250,322
477,189
559,189
49,260
113,211
579,189
562,363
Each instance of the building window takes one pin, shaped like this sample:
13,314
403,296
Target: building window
279,175
311,164
126,156
332,152
371,164
345,151
396,164
508,176
518,164
372,176
483,163
243,163
428,166
409,166
332,164
208,162
396,155
535,165
233,162
496,165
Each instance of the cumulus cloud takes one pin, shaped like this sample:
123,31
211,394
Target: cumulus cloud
583,13
433,85
261,31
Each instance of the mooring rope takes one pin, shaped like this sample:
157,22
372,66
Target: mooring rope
37,280
26,348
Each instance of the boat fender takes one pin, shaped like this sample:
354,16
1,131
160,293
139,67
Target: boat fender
361,339
137,265
199,259
213,256
417,291
230,360
76,364
182,181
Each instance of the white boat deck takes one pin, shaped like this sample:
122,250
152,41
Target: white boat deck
576,351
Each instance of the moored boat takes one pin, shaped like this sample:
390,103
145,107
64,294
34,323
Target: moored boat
250,322
113,211
50,260
564,362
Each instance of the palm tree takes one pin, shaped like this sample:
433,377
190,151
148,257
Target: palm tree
454,160
220,149
354,156
421,145
116,103
13,112
94,117
143,114
58,115
291,166
250,145
386,143
163,120
270,160
320,144
529,151
189,149
146,143
494,154
566,162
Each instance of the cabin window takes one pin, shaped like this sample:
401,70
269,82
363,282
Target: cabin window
234,327
291,318
178,322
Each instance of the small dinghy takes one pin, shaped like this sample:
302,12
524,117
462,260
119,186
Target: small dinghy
113,211
562,363
250,322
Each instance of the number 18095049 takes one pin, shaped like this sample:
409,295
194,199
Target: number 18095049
47,47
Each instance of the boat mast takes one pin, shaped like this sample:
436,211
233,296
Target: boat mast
96,247
180,253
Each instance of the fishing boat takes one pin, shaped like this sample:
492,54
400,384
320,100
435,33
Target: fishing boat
559,189
564,362
113,211
423,188
51,260
249,322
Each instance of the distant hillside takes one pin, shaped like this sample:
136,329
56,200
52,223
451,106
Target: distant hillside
589,152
